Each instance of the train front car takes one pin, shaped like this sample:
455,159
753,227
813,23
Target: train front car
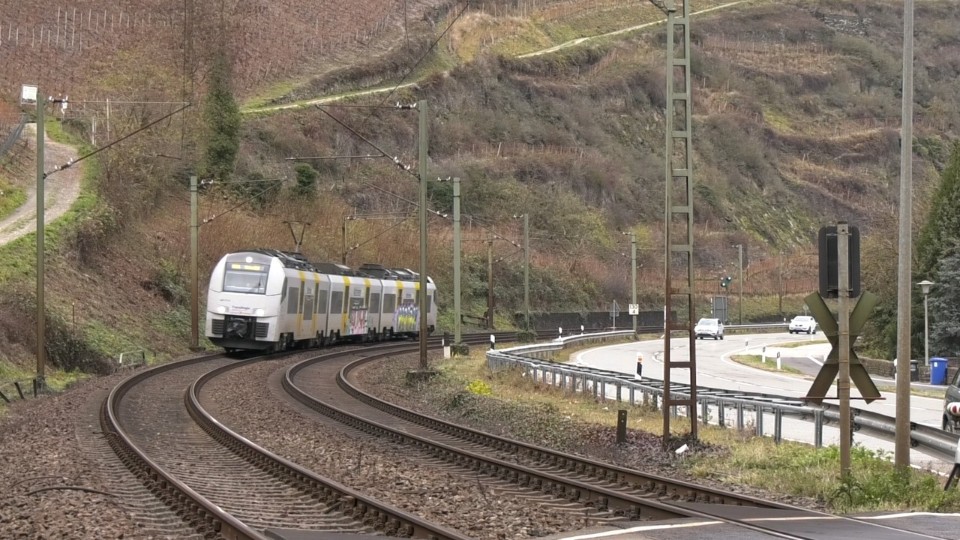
243,301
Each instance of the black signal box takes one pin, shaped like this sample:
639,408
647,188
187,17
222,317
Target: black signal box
829,269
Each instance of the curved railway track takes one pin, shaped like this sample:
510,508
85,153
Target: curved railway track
226,486
608,488
323,384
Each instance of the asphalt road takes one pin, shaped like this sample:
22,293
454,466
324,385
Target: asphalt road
715,369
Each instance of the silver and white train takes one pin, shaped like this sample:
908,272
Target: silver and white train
266,299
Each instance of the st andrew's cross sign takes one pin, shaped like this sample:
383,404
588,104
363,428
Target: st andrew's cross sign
831,366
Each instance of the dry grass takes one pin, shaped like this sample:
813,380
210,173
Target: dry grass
742,459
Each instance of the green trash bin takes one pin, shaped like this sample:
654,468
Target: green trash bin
938,370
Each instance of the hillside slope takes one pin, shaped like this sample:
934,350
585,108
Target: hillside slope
796,115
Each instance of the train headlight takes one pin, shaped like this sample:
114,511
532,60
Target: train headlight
221,309
259,312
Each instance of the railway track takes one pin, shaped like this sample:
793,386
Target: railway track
624,492
324,385
226,486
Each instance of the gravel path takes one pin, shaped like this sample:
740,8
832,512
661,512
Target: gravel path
61,189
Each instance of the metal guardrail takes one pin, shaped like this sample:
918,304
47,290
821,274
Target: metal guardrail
533,360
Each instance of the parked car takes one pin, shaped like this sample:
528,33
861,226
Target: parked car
951,405
803,324
709,328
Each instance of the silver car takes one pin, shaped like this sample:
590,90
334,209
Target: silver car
709,328
803,324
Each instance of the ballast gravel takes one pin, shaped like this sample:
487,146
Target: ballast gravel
56,485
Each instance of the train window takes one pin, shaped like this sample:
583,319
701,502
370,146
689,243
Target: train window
322,301
374,306
250,279
294,296
429,303
336,301
389,303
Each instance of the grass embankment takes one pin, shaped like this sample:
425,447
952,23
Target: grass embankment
11,198
734,457
756,361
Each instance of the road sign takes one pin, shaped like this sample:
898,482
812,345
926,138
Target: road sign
720,307
634,309
831,367
829,265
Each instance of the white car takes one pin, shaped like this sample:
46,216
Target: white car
709,328
803,324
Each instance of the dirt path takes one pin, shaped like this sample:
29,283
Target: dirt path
61,189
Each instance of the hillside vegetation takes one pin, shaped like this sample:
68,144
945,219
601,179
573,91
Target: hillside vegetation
796,116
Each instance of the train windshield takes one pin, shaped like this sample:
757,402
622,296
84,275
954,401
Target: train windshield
246,277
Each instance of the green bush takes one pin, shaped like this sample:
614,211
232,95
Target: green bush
479,388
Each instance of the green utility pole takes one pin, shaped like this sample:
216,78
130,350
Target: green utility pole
633,274
901,456
633,278
424,306
41,310
490,283
194,273
526,271
456,261
740,270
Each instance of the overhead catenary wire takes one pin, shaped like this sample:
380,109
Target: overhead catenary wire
389,95
118,141
238,205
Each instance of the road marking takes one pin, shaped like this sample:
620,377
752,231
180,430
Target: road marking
607,534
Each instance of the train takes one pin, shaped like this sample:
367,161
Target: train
272,300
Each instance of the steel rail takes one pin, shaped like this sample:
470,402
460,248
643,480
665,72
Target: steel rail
604,498
383,517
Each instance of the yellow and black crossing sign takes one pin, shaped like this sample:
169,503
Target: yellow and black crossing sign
831,367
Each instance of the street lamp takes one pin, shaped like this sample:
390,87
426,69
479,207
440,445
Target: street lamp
925,288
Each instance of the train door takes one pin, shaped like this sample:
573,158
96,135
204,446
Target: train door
308,291
431,305
290,305
374,305
323,307
389,307
337,320
356,310
405,319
